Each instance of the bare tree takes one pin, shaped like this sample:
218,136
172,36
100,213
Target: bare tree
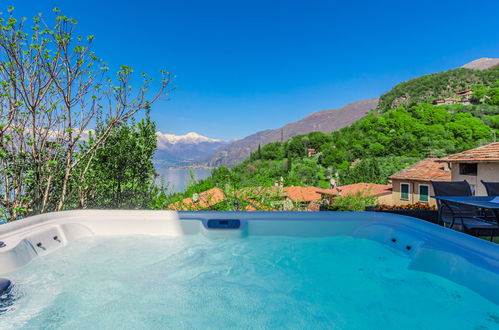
53,91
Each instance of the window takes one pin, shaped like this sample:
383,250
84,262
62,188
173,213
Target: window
404,191
468,168
424,193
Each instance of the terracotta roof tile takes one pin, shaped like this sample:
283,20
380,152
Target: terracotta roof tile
371,189
306,194
487,153
425,170
207,198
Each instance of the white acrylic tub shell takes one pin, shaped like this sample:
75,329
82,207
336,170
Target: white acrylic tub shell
464,259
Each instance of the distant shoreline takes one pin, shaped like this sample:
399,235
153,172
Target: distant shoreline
187,166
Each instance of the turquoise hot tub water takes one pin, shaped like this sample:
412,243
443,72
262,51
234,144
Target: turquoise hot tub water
144,282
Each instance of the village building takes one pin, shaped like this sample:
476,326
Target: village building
450,100
311,152
463,97
474,165
466,94
412,184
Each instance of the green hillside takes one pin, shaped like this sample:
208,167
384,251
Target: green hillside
378,145
438,85
372,148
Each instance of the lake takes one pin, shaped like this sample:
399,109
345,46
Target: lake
177,178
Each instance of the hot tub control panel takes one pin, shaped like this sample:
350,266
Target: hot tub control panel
223,224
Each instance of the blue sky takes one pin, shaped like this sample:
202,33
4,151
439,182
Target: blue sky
244,66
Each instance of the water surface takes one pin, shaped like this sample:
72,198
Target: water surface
142,282
178,178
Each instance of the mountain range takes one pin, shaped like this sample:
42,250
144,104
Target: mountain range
185,149
193,148
483,63
324,121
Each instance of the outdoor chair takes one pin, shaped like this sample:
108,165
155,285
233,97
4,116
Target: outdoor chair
491,187
467,217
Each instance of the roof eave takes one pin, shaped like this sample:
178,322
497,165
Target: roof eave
468,160
420,179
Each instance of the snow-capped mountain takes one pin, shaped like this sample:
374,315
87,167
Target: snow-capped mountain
190,138
184,149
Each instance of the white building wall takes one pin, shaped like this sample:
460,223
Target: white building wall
485,172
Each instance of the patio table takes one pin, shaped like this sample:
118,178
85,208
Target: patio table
484,202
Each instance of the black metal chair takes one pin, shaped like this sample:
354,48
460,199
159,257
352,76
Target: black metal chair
491,187
470,219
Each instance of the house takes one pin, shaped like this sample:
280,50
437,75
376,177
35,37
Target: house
463,97
465,94
412,184
449,100
473,165
311,152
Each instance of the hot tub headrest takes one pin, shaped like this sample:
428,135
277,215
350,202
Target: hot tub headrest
4,285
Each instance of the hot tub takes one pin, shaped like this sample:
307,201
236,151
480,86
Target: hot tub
162,269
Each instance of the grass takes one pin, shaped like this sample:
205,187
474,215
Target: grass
487,238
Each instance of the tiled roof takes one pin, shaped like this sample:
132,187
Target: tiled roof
425,170
207,198
215,195
487,153
296,194
371,189
456,99
306,194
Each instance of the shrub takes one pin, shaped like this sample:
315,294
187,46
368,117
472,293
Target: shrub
415,206
353,202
